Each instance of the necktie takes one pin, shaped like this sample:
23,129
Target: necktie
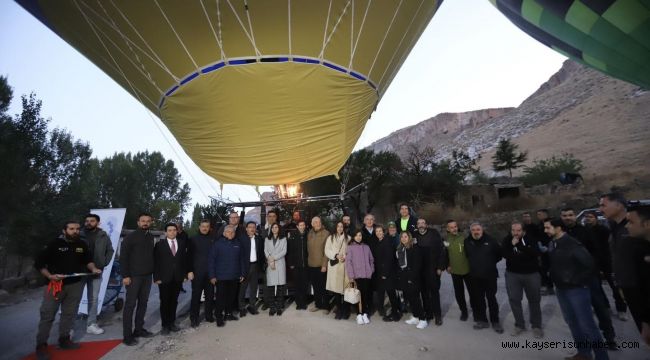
174,247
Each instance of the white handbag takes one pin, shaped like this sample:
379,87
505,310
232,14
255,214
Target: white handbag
351,294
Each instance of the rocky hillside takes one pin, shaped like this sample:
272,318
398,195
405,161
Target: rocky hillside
599,119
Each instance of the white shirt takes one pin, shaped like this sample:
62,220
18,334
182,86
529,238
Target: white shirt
253,250
169,242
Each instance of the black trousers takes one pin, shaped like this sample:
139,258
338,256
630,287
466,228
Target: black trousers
430,291
364,286
544,271
342,307
169,301
137,295
412,295
300,285
480,290
274,296
201,284
226,297
620,304
250,283
318,280
459,291
387,286
637,304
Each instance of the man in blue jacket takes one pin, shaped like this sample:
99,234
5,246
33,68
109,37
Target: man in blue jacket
226,267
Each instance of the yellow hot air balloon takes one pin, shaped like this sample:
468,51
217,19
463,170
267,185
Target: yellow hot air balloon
256,92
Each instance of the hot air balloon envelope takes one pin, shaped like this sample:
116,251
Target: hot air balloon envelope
256,91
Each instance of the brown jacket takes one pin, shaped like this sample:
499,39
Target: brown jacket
316,248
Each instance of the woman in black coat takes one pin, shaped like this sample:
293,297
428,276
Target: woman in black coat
409,259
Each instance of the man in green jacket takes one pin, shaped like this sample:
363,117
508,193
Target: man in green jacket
458,265
101,251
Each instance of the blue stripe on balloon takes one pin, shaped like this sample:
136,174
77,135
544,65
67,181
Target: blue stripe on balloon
358,76
306,60
212,68
252,60
332,66
189,78
172,90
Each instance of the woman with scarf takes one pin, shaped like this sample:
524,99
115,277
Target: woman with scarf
409,259
335,249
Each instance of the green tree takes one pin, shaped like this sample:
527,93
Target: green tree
142,182
547,171
41,172
507,157
192,227
464,165
375,171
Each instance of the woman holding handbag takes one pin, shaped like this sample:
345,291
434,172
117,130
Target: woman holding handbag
359,267
275,249
335,248
409,259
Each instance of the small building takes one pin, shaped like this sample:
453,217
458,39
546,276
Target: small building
485,196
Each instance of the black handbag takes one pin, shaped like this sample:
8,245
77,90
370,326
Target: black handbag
336,261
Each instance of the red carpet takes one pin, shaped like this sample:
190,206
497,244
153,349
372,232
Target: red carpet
87,351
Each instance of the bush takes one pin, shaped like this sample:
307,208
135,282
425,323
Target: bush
548,170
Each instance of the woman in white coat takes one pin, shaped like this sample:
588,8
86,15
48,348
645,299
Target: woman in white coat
275,249
335,248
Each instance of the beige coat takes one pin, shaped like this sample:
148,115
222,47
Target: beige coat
336,276
316,248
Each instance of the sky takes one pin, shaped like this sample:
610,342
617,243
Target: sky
470,57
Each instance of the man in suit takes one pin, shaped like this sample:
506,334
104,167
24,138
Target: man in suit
252,247
170,270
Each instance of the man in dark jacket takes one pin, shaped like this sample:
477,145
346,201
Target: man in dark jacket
233,220
598,300
434,262
543,243
406,222
600,235
170,270
348,227
292,226
136,265
226,268
297,256
101,250
252,247
533,232
182,236
386,271
198,250
63,256
638,226
572,269
483,253
522,275
625,250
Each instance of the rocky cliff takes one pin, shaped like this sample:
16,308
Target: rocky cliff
601,120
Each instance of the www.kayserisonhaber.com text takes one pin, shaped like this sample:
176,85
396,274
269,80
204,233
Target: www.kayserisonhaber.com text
546,344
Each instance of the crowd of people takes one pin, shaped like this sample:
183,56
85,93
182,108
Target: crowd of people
402,261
